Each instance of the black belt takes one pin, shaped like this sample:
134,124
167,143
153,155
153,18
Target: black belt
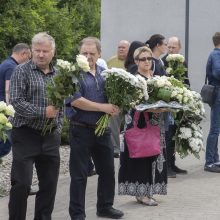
75,123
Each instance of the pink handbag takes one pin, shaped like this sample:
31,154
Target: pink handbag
143,142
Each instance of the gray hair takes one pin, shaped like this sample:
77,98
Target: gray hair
91,40
20,47
41,37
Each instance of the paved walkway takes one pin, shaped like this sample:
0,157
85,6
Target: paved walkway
193,196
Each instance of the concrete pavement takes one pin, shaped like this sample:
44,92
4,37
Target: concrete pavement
195,196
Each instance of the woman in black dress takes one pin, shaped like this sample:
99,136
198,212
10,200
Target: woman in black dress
144,177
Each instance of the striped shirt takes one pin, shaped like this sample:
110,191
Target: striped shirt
28,96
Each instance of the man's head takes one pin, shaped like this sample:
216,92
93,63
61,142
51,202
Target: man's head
43,49
216,39
122,51
91,48
174,45
21,52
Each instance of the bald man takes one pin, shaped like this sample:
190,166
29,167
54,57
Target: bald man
174,45
119,59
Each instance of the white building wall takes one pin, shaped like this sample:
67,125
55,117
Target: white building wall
139,19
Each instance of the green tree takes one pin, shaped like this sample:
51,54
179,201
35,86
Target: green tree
67,21
85,18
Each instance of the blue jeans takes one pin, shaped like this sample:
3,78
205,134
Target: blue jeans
212,140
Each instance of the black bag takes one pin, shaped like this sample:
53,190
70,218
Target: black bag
208,93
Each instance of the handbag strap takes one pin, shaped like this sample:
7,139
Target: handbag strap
206,78
137,115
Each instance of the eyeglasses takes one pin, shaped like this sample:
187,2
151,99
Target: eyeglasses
143,59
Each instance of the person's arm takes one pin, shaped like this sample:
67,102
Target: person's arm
216,66
8,73
88,105
7,83
209,68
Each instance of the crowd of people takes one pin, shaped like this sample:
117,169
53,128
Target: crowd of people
23,79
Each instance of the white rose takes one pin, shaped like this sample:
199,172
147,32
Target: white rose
2,106
185,99
169,69
179,98
8,125
186,132
72,68
82,62
10,110
3,119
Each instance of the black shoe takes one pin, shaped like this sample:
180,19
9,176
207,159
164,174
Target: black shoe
212,168
116,155
33,190
177,170
92,173
171,173
110,213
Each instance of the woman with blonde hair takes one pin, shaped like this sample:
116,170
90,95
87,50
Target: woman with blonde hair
144,177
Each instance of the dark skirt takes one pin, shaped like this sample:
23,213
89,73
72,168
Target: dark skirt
143,176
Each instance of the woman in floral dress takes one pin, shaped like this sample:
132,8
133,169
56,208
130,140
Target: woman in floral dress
144,177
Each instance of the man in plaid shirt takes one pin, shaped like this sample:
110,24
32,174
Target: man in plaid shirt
29,146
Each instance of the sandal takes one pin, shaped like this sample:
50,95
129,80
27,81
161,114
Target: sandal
149,201
146,201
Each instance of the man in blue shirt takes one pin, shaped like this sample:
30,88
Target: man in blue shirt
90,104
212,163
20,54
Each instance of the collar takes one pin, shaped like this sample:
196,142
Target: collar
35,67
14,60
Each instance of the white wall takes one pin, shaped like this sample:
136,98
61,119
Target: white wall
139,19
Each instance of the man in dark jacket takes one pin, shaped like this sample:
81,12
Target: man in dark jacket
174,47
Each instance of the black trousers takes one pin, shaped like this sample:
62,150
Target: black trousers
85,144
170,145
30,147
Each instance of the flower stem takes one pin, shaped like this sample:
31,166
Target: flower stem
102,124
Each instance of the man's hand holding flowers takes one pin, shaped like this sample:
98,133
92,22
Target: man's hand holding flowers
123,90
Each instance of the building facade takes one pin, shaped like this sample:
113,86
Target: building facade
193,21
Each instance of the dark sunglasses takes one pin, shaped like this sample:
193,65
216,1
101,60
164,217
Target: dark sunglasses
143,59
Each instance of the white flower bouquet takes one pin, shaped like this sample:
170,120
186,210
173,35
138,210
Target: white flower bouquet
5,112
122,89
64,83
176,67
189,139
169,89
